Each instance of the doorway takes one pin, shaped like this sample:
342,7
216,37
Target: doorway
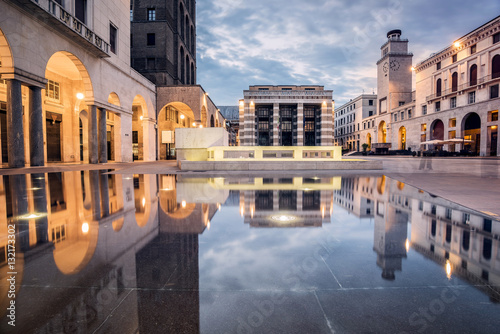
53,130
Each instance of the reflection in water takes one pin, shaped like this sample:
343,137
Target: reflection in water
91,243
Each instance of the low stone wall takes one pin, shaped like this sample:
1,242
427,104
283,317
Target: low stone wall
279,165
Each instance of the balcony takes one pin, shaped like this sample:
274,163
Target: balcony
479,83
57,17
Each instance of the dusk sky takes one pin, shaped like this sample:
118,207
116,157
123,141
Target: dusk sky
334,43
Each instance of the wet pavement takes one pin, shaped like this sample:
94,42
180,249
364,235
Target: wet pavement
116,252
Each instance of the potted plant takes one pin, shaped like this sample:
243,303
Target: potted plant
365,147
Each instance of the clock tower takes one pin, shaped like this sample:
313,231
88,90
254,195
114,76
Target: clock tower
394,74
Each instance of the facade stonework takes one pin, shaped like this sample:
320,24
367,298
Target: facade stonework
286,116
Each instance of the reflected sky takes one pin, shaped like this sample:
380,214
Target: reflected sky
106,253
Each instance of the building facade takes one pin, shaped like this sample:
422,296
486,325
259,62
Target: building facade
286,116
456,96
349,121
67,91
163,40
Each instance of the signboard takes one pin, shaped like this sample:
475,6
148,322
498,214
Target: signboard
167,137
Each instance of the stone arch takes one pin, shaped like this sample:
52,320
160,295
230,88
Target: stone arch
369,141
471,129
437,130
69,86
382,132
59,61
212,121
186,28
172,116
73,253
181,16
381,184
192,39
114,99
402,138
438,87
5,52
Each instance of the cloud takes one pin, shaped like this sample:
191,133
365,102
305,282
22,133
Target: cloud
331,43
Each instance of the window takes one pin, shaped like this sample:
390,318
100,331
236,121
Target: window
310,89
454,82
448,213
494,91
386,50
81,10
370,113
151,14
473,49
495,67
52,90
473,75
309,126
309,112
131,11
424,110
423,137
263,88
438,66
151,40
370,102
438,106
453,102
452,123
494,116
150,64
263,126
452,134
395,117
113,37
401,103
409,113
487,225
496,38
402,115
131,40
423,127
472,97
454,58
286,89
438,87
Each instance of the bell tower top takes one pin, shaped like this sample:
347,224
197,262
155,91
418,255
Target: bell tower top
394,34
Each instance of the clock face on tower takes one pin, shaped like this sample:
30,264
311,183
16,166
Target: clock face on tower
394,65
385,67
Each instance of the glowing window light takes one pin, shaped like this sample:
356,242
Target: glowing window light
80,96
85,228
183,204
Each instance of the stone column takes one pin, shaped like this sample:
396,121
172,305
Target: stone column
276,130
483,145
93,147
251,119
36,126
104,194
276,200
327,125
103,141
300,124
15,131
18,190
40,207
95,197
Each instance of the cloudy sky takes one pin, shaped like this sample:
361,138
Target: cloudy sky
335,43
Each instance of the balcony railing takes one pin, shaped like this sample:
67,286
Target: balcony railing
466,86
66,23
288,93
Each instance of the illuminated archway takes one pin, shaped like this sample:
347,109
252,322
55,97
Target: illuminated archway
139,128
402,138
142,199
83,129
471,128
68,87
382,132
369,142
381,185
172,116
204,116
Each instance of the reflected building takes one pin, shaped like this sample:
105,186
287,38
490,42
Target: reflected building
287,202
